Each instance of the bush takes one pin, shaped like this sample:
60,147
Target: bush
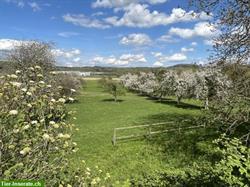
71,84
35,132
112,87
231,168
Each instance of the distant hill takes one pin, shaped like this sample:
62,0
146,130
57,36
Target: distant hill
114,71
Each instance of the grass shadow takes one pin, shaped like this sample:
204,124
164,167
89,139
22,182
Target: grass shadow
183,144
166,117
174,103
112,100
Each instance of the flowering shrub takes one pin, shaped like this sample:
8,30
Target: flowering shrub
70,85
35,135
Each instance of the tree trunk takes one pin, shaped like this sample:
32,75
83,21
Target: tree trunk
178,100
206,104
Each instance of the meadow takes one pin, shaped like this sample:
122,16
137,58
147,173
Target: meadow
97,115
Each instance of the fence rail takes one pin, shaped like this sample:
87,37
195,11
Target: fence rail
149,131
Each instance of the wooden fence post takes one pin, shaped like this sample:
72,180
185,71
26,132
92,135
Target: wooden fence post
114,137
149,131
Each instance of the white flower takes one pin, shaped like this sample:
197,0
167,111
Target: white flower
56,126
53,100
37,67
107,175
98,179
41,82
34,122
66,136
26,127
60,135
74,150
62,100
25,151
24,89
72,90
53,73
13,76
49,86
39,75
71,99
29,93
17,84
31,68
46,136
11,147
93,182
52,122
29,105
31,81
18,71
60,87
13,112
16,130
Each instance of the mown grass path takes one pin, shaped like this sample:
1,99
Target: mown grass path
97,115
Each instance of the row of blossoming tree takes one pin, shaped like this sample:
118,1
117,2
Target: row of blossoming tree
204,84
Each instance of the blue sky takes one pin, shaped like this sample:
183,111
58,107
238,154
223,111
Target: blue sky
110,32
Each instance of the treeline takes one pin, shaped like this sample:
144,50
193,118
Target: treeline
204,84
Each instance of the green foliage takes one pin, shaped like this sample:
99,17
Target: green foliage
234,167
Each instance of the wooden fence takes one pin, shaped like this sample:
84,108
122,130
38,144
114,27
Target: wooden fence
149,130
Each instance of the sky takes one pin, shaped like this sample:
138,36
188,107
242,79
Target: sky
121,33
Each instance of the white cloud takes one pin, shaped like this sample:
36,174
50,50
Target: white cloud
201,29
184,49
35,7
176,57
68,34
19,3
168,39
67,57
158,64
66,53
98,13
10,44
209,42
83,21
125,59
193,44
136,39
157,54
138,15
77,59
122,3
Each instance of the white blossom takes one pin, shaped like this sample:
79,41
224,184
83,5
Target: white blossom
13,112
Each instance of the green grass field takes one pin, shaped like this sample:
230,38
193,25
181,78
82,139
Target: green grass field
97,116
